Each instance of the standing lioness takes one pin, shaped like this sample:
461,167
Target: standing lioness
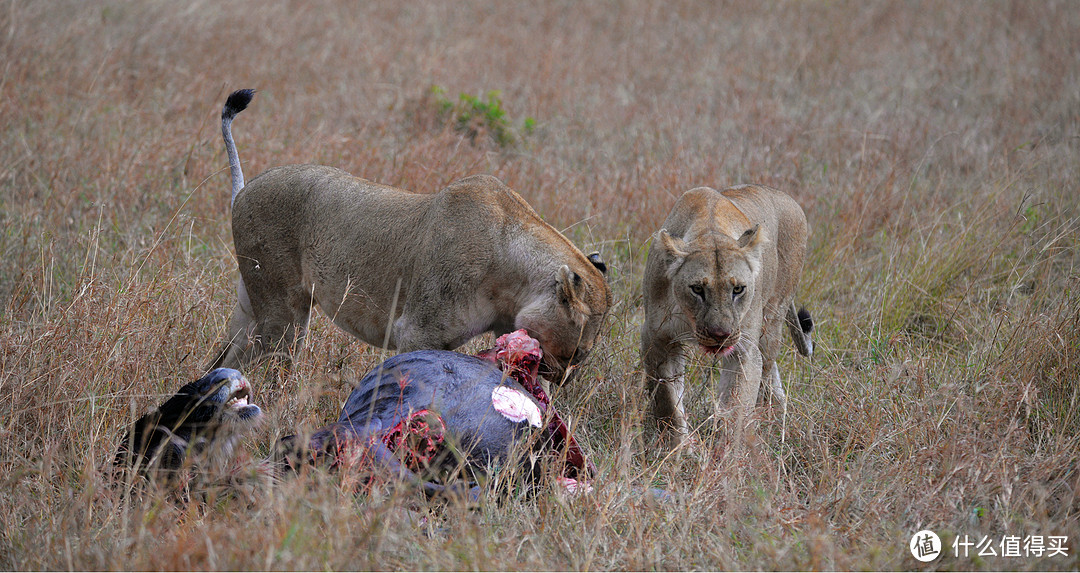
411,271
721,275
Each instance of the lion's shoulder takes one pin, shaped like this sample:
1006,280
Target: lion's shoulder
485,191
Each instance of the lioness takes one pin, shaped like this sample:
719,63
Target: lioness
721,275
402,270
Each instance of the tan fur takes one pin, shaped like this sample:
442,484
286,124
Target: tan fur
714,243
436,269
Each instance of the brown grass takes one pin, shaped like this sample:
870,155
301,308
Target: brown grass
933,146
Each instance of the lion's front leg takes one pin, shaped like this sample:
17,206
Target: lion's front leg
664,367
441,316
740,381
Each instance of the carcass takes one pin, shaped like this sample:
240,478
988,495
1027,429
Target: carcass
444,421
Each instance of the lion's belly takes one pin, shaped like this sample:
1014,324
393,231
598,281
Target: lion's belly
369,325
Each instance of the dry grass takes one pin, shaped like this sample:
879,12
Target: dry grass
933,146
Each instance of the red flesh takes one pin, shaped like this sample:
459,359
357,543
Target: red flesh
519,355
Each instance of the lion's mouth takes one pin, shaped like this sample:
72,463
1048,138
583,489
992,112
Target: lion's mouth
722,350
556,371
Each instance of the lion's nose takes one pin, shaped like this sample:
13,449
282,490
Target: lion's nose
718,334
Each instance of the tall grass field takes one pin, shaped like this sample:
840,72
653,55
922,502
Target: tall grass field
935,148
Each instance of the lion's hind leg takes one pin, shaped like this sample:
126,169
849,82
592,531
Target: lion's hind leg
776,388
237,348
259,327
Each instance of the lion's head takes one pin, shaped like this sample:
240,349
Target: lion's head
713,278
568,321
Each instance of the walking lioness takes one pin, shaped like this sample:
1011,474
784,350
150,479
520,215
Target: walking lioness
721,275
405,270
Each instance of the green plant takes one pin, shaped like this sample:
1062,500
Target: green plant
476,117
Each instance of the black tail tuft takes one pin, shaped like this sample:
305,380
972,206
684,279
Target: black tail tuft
237,102
806,323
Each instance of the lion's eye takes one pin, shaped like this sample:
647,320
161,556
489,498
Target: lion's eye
698,290
737,290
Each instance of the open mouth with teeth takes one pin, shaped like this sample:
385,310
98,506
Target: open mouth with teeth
239,400
238,395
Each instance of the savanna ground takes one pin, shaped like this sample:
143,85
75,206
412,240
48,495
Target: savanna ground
934,147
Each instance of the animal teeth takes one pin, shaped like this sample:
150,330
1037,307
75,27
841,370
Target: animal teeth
239,396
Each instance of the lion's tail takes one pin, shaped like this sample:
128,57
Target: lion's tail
800,326
237,102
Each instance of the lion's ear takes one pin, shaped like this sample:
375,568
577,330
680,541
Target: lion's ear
751,238
751,243
674,252
598,261
566,285
673,246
